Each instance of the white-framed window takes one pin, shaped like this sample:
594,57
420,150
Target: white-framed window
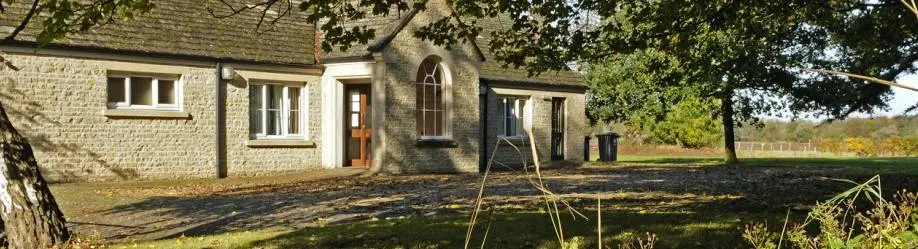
431,102
276,111
515,113
139,91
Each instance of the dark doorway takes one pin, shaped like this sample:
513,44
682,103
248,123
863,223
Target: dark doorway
557,128
357,122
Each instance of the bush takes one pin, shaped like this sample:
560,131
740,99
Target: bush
865,147
861,146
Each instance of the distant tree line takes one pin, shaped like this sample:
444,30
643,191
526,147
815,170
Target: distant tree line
880,128
690,125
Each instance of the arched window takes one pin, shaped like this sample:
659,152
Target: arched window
430,105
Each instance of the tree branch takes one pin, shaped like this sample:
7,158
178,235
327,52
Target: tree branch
265,8
23,24
867,78
8,64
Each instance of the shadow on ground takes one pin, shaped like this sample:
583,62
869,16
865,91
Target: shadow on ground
641,190
520,230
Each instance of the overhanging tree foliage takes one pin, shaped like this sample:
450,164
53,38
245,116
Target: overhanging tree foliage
31,217
746,54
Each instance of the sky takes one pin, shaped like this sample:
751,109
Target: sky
903,98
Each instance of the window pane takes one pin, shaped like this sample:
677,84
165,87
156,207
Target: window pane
419,117
438,100
437,74
293,127
430,97
293,93
116,90
355,120
429,124
275,97
141,91
355,101
439,123
255,124
511,122
293,124
274,122
275,105
255,109
419,99
167,92
508,126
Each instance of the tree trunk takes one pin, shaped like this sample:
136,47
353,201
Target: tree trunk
729,137
30,214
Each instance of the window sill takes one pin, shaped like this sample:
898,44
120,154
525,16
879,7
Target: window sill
280,143
136,113
515,139
436,143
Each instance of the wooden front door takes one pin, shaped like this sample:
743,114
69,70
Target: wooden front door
557,129
358,130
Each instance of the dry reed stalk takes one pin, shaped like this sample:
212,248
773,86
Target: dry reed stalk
550,198
599,222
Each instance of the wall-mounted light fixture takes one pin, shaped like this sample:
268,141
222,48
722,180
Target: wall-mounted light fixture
228,73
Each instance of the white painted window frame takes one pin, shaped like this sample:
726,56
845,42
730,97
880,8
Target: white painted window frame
525,117
127,105
446,108
284,110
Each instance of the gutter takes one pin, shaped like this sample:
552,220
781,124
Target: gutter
483,126
528,85
220,123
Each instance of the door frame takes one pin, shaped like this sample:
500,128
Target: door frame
334,79
556,153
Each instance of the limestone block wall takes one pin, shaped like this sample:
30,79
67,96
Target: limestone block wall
58,103
576,129
403,57
245,160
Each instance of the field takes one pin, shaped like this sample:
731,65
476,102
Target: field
686,201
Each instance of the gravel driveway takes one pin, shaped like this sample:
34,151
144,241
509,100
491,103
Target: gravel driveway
151,211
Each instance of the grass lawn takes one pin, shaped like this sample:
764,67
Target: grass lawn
514,230
842,165
687,202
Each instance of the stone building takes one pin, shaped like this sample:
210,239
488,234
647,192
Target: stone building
177,93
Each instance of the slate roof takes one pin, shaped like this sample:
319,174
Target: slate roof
491,69
386,27
184,27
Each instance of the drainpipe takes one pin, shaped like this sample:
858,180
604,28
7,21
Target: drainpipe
220,122
483,126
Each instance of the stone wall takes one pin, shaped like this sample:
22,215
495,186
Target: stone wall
576,126
245,160
403,57
58,103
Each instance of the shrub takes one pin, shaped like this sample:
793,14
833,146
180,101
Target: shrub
861,146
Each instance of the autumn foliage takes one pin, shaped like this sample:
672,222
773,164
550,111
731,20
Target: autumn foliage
870,147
